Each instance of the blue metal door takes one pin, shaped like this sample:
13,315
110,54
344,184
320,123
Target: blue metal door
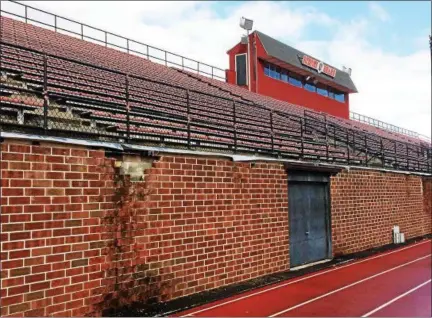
309,220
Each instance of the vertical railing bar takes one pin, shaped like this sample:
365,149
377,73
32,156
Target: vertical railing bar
271,131
407,155
55,23
127,45
166,58
348,146
127,108
418,158
182,59
326,138
395,153
382,152
25,14
45,93
366,149
106,39
82,31
302,123
334,136
198,64
148,55
235,125
428,159
188,119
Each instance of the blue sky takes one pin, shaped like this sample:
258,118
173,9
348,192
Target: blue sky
407,21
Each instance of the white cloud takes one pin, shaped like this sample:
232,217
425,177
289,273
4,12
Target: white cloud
394,88
379,12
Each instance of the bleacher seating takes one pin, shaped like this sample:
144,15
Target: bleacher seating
95,89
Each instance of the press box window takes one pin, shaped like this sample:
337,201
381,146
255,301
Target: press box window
340,97
241,69
322,91
310,87
294,80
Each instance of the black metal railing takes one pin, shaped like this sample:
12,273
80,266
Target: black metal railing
383,125
58,96
56,23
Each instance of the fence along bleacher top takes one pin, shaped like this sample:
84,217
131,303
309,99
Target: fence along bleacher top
61,24
25,35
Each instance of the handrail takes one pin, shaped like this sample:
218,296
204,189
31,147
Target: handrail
354,116
320,128
383,125
128,41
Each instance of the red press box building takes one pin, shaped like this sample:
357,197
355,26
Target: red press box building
283,72
125,180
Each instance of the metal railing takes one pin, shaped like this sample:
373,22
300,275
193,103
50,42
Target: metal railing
58,96
383,125
23,11
150,53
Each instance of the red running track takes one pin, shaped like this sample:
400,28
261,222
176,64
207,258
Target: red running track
395,283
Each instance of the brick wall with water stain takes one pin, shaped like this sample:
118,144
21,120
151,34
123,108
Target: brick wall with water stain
85,230
79,236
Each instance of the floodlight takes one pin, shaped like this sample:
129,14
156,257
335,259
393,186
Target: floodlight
308,78
246,24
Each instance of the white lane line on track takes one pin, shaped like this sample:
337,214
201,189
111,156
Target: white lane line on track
396,298
348,286
304,278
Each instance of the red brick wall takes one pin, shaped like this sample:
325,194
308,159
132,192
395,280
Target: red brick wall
52,251
77,237
367,204
427,198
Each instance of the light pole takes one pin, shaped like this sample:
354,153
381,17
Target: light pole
247,25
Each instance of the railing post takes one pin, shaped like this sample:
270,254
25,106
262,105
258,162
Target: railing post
302,137
395,153
429,160
212,68
271,131
198,67
366,149
182,63
235,126
45,93
188,120
25,14
348,146
326,138
106,39
418,157
334,136
55,23
382,152
166,59
407,155
82,31
148,55
127,108
127,45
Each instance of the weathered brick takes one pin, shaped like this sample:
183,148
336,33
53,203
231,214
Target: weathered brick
19,308
20,271
80,262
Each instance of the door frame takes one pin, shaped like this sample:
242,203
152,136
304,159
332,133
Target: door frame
322,177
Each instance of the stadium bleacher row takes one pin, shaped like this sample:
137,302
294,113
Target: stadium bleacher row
54,81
